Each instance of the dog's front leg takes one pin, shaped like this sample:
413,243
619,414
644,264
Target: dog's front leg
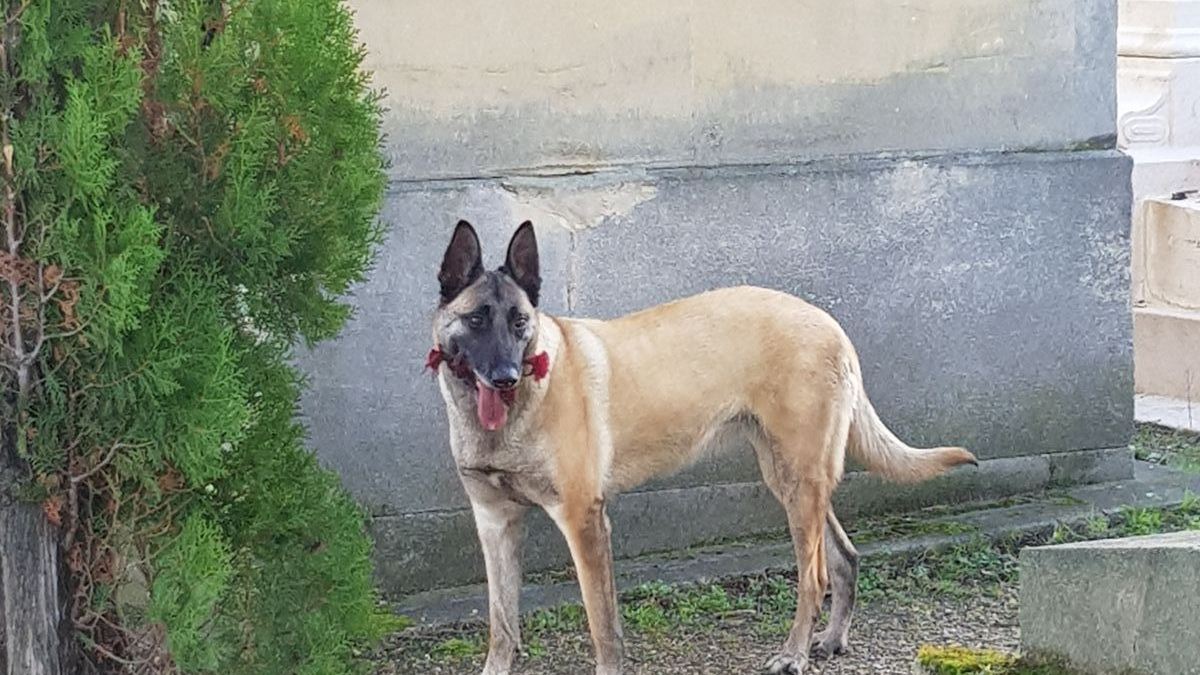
501,528
588,532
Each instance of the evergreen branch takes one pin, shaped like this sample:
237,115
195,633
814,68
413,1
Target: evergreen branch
47,296
41,305
120,380
106,653
17,340
112,452
66,334
16,15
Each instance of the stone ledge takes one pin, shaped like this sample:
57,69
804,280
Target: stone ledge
1114,606
416,552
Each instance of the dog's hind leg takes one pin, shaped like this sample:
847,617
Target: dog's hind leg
842,561
805,502
801,445
501,528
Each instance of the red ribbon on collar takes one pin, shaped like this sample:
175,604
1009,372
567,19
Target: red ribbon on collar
537,366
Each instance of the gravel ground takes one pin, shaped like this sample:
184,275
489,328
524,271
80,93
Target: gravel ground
884,640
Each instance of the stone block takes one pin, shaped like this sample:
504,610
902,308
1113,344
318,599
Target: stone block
1114,606
1166,358
627,83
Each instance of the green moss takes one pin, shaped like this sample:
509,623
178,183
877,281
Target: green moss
1104,142
906,526
956,660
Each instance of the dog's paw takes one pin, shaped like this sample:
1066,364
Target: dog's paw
782,664
826,645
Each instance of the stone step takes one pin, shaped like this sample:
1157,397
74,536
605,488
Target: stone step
1115,605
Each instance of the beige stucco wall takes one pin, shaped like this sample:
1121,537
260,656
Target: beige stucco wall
486,88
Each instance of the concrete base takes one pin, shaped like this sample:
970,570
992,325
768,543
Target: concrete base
416,552
1114,606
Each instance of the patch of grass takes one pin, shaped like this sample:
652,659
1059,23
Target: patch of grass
393,623
651,607
978,566
774,625
1188,513
556,619
644,617
1134,523
956,660
1096,527
1161,445
534,649
1139,522
457,649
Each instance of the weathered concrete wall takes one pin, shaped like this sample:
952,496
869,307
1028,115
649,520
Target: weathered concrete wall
481,88
850,156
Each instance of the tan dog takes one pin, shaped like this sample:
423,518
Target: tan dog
565,413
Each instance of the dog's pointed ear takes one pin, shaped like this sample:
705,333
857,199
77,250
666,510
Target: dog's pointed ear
463,262
521,263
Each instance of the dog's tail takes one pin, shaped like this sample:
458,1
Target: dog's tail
873,444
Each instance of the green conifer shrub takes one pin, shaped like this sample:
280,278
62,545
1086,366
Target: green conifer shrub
190,187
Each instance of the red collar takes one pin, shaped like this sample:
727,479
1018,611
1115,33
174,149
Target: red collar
537,366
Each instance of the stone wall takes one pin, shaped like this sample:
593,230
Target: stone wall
937,174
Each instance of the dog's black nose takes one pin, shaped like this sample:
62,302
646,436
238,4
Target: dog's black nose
505,377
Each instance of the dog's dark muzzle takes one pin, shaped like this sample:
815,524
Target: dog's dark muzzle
502,377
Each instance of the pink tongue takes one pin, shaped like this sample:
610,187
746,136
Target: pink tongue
492,411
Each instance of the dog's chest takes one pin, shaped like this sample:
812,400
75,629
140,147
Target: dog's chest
512,467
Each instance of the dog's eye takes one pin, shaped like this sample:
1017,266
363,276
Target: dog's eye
475,321
520,323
